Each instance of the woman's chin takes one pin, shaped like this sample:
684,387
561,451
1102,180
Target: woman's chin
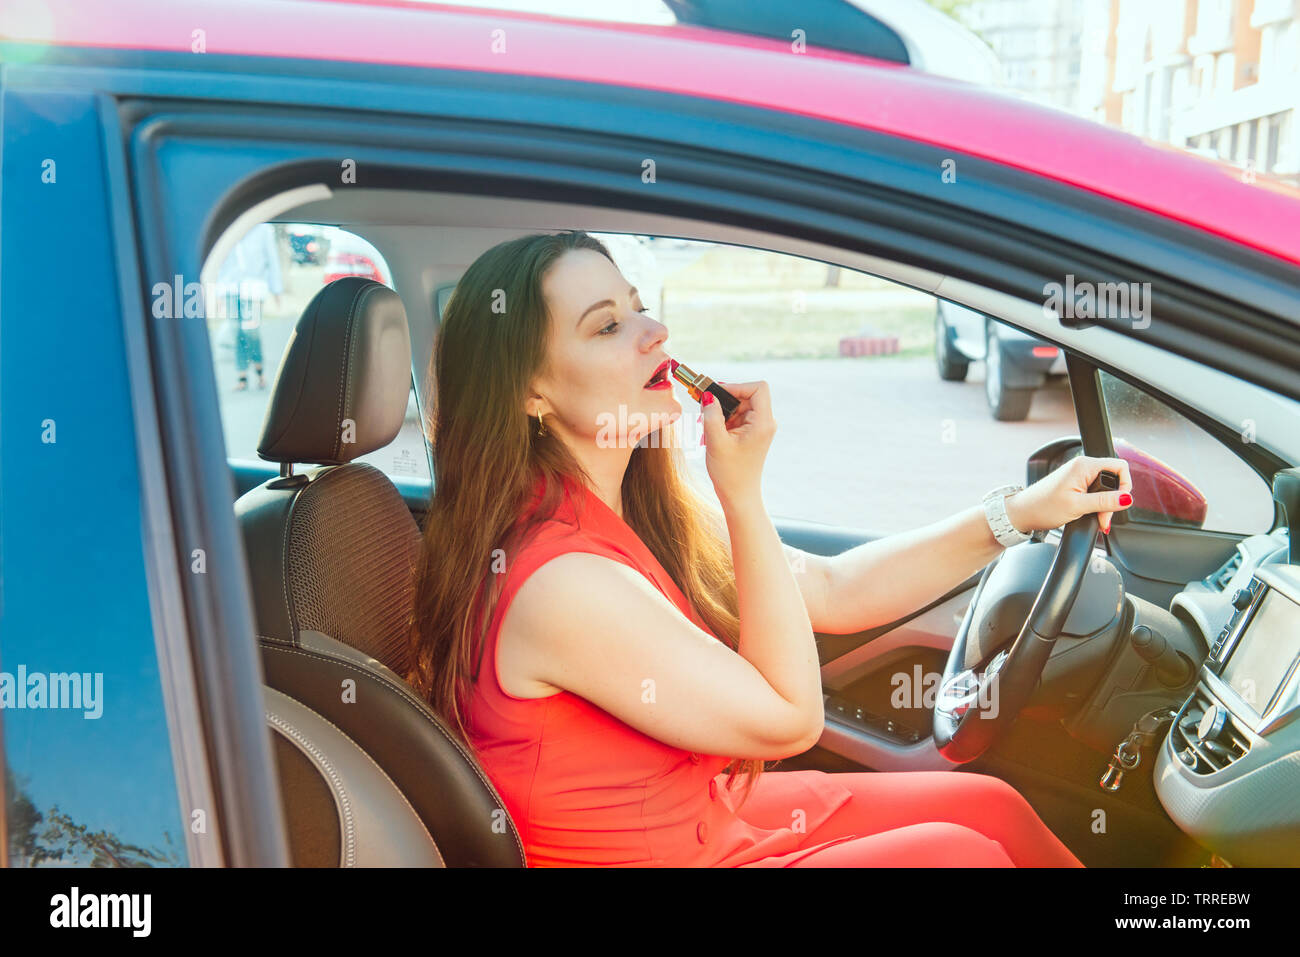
646,424
659,410
660,431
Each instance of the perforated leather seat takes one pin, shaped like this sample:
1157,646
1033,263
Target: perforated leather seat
369,774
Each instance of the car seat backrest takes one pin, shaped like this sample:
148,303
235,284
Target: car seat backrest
331,554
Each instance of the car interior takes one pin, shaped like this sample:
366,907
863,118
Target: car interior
330,543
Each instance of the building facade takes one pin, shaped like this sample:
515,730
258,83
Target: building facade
1038,43
1220,77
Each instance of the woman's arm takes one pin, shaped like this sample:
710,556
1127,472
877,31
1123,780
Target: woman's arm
881,581
811,573
776,634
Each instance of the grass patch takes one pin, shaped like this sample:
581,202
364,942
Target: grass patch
735,303
717,327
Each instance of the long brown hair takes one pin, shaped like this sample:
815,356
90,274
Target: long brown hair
487,455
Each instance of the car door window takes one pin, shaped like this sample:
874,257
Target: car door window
1182,475
870,436
261,289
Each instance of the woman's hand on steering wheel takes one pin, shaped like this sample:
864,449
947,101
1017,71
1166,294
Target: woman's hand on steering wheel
1063,496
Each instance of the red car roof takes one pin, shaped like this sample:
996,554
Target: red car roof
825,84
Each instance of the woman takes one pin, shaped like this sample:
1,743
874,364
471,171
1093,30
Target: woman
580,620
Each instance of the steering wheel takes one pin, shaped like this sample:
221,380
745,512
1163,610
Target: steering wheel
978,699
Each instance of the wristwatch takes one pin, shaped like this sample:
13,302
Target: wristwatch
995,510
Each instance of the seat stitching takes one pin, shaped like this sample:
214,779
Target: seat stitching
345,363
284,571
419,708
343,366
366,755
343,805
352,350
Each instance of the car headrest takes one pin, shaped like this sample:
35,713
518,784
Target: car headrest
345,380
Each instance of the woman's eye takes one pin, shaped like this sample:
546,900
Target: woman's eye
610,329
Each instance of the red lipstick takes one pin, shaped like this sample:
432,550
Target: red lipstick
660,381
698,384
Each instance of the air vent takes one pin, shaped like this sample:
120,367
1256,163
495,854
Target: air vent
1206,737
1224,575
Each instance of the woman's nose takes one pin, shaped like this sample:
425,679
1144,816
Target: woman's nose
656,332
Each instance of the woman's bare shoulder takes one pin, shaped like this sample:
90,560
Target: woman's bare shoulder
548,591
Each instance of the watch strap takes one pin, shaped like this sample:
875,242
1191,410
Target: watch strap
995,511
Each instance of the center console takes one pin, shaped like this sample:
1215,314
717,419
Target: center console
1228,773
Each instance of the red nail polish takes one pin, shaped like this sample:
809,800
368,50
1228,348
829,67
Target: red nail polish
1125,498
707,399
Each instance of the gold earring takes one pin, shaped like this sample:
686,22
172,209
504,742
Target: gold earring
541,426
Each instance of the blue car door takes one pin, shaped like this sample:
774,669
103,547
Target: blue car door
114,714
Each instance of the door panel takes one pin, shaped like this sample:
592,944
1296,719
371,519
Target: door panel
1155,561
880,701
92,753
879,682
1199,487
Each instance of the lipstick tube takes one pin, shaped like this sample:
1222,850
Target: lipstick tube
697,384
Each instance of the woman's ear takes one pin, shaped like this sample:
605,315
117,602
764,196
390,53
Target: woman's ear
535,403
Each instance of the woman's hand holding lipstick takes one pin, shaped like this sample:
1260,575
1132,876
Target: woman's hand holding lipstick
736,450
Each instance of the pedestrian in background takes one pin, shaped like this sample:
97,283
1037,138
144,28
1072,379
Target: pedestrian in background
250,272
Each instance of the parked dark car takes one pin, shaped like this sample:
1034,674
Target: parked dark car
1015,363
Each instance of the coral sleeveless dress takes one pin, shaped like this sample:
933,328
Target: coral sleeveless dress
584,788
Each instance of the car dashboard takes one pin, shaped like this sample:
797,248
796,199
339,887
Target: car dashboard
1228,772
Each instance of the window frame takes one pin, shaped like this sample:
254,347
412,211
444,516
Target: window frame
244,466
1259,460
